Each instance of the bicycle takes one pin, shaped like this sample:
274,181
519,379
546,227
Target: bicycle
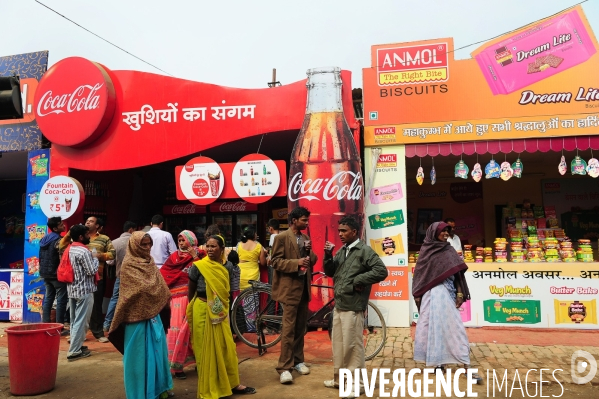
266,319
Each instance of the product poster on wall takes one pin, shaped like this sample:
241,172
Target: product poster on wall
34,290
386,229
536,295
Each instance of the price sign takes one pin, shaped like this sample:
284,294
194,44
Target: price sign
256,178
61,196
201,180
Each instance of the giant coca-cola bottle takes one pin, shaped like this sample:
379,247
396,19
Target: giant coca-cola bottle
325,174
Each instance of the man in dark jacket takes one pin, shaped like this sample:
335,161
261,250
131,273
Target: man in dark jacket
354,269
49,261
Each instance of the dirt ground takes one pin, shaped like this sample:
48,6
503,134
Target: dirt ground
101,375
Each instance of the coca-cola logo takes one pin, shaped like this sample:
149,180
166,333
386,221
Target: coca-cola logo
183,209
239,206
74,102
83,98
343,185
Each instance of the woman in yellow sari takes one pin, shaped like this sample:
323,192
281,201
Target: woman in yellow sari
210,282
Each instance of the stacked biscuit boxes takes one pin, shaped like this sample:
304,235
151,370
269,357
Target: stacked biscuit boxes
500,250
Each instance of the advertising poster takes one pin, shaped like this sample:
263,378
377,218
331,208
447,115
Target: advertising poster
541,295
537,81
38,167
387,231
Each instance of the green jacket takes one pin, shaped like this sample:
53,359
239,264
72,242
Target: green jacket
363,267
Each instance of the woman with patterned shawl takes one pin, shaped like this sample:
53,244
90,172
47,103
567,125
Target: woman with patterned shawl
211,280
439,289
143,294
176,274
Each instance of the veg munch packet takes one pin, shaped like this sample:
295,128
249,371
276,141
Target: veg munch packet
531,55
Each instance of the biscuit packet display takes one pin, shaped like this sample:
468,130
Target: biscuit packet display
388,246
575,312
536,53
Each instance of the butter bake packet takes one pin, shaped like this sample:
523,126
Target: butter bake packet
534,54
575,312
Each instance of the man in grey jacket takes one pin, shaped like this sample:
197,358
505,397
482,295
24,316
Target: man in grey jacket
354,269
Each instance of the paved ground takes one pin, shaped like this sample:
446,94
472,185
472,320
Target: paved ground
100,376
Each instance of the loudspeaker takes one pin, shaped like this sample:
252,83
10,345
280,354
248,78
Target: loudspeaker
11,106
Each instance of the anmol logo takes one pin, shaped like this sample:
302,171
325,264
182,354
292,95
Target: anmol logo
387,161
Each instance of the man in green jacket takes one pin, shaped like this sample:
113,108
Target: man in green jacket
354,269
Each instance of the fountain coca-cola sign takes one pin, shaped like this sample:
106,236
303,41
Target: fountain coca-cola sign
74,102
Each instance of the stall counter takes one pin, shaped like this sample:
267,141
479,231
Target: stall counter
530,294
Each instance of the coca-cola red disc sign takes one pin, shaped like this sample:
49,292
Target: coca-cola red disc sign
75,102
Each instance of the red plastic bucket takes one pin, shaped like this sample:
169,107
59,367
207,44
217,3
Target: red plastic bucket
33,357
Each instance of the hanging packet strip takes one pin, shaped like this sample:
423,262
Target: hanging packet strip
433,176
492,170
461,170
518,168
477,172
420,176
506,171
563,166
578,166
539,52
593,167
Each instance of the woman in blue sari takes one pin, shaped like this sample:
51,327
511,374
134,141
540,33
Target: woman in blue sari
143,294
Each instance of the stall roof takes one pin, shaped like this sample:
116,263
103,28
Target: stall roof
504,146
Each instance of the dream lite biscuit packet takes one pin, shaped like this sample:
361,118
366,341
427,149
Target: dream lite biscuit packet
539,52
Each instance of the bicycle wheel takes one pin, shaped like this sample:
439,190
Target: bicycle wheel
248,316
375,331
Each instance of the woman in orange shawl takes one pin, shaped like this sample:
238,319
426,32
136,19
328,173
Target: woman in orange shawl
176,274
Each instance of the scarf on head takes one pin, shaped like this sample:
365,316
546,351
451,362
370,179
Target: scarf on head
217,288
175,269
437,261
143,292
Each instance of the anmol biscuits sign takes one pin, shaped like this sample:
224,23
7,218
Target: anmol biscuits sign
412,64
387,161
384,135
537,81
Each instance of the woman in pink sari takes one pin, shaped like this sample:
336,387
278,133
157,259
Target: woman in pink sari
175,273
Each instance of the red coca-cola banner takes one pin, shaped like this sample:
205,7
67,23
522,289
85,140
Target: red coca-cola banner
239,206
155,118
186,209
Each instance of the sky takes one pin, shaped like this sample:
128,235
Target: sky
237,43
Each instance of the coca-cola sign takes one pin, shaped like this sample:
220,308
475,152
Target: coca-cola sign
74,102
343,185
186,209
238,206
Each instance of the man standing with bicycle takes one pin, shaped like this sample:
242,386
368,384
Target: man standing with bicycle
354,269
292,261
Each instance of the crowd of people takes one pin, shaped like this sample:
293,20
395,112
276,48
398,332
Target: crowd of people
170,302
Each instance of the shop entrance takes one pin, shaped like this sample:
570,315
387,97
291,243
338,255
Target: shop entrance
553,203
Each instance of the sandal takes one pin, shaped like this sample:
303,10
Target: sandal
244,391
180,375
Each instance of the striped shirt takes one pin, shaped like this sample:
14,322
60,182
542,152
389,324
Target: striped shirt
85,267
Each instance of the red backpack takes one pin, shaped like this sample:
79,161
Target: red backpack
65,273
